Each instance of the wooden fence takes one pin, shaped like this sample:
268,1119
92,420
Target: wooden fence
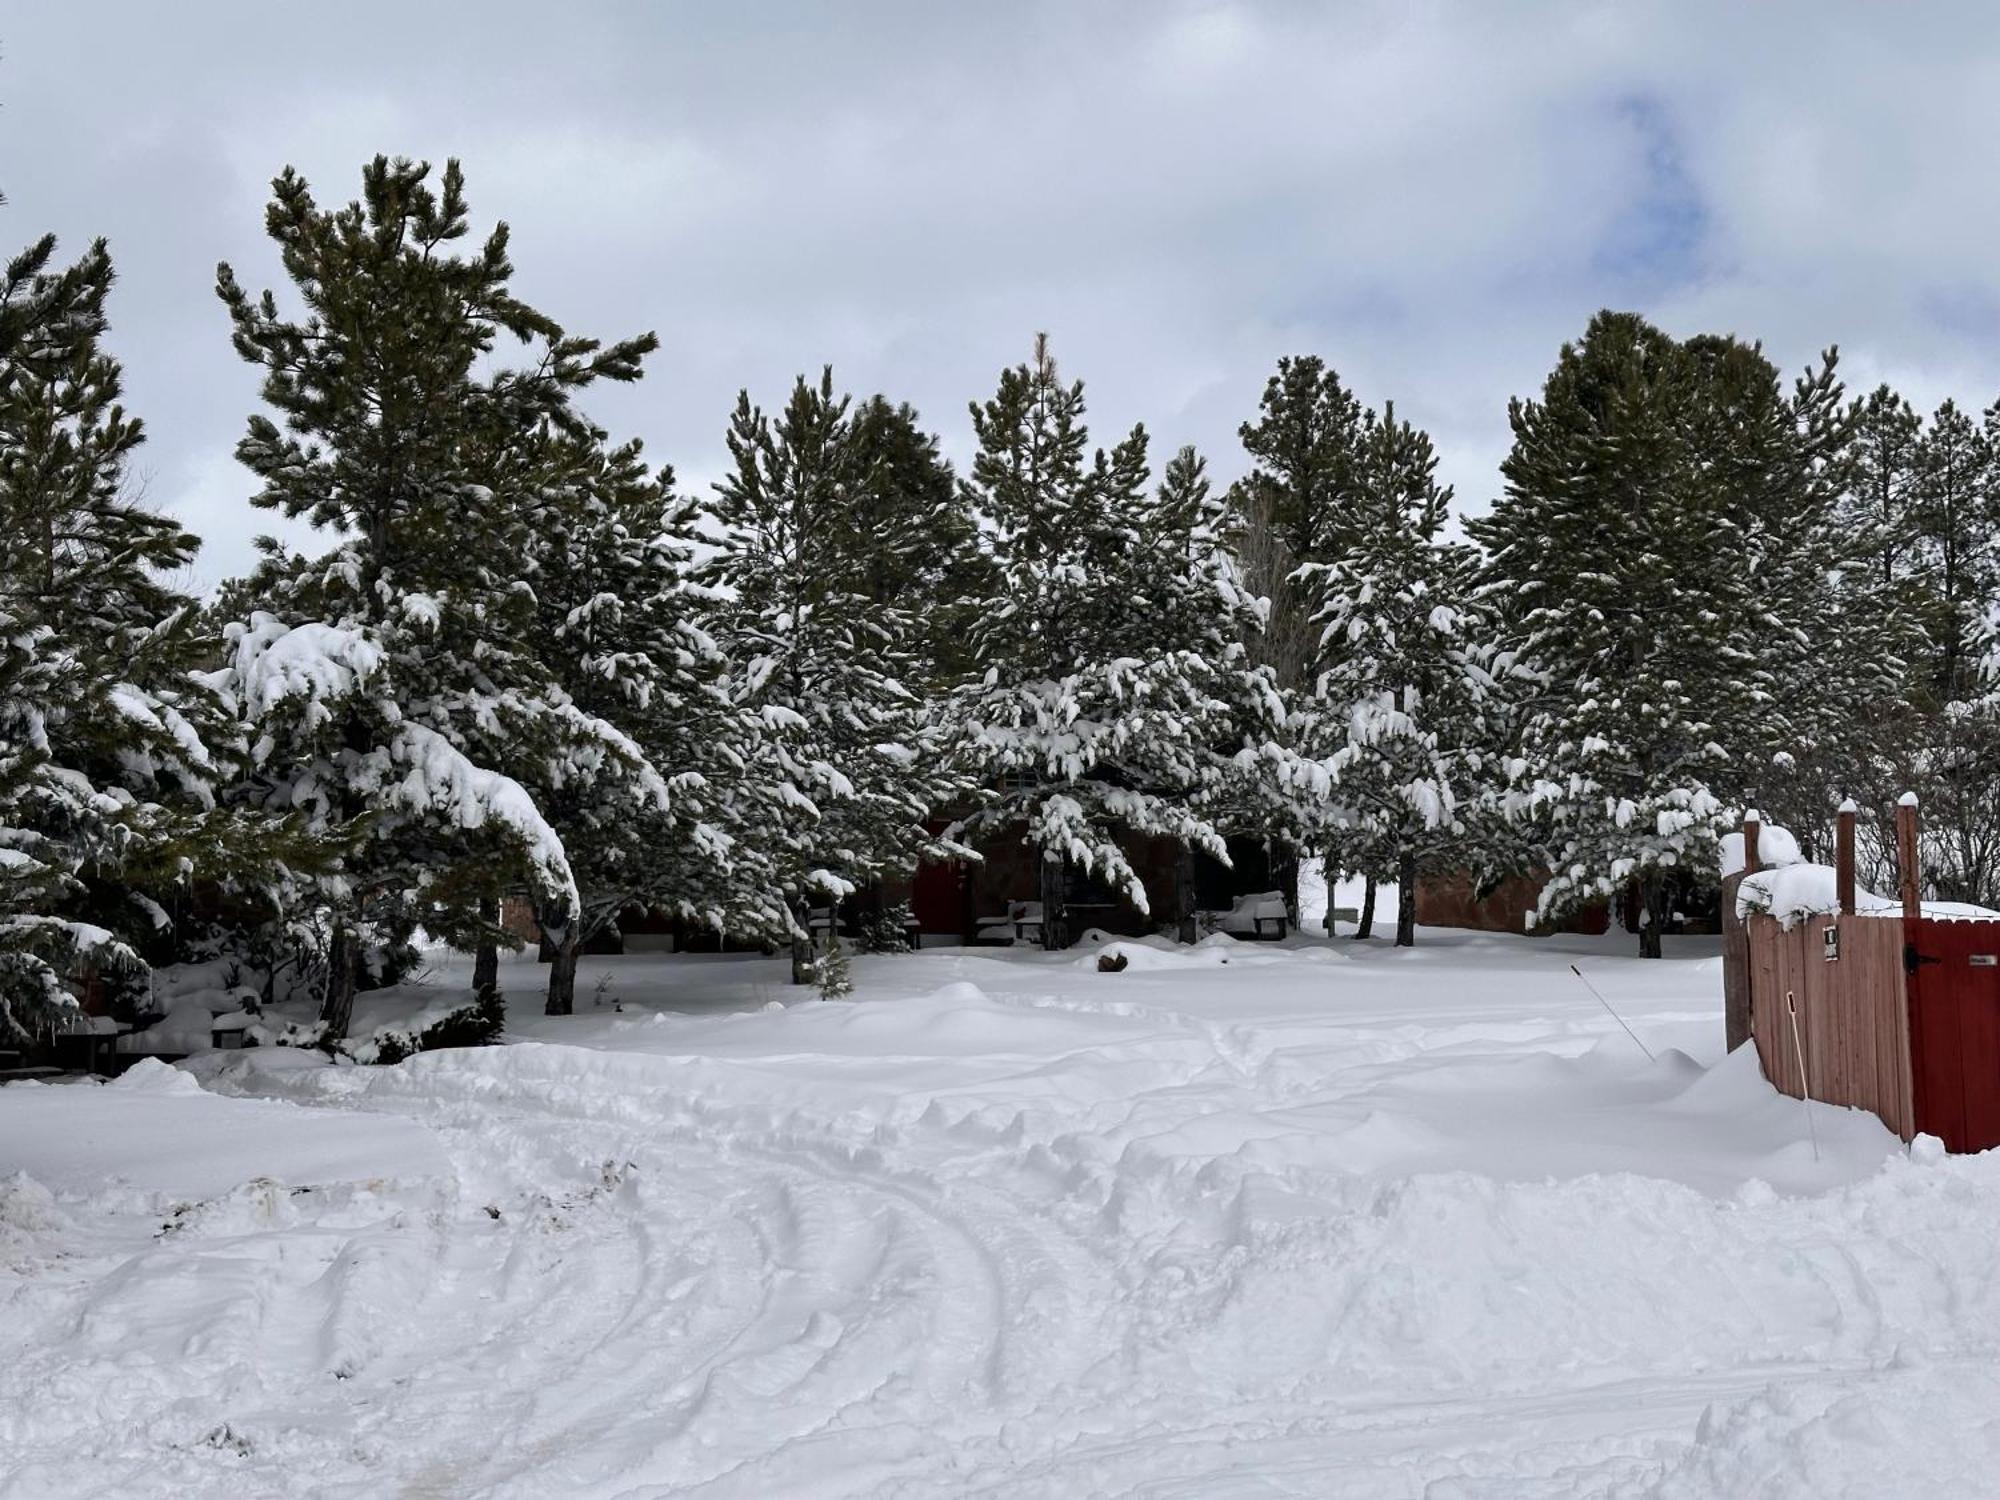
1853,1030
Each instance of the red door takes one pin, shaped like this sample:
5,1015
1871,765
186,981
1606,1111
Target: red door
937,897
1955,1032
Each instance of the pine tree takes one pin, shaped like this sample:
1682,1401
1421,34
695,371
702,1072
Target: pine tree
1950,748
1397,705
1822,631
936,570
1956,517
1190,598
1619,570
1108,704
1876,509
820,539
1294,510
336,749
108,743
404,435
619,627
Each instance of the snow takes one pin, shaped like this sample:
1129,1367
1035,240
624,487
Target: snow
1247,911
318,662
1347,893
1795,892
428,774
155,1136
1248,1219
1775,846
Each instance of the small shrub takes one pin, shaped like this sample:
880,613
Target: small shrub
885,931
831,974
479,1024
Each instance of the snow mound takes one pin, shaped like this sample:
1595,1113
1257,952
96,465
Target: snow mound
151,1076
1775,846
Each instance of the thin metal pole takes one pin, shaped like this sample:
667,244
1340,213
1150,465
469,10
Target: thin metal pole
1614,1014
1805,1082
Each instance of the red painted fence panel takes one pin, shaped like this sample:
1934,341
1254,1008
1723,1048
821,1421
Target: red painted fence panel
1954,993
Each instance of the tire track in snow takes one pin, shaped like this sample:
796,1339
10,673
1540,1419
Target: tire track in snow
895,1265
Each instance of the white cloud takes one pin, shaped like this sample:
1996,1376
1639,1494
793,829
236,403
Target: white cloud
1431,196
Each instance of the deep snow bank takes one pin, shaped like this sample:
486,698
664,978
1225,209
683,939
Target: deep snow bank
1366,1224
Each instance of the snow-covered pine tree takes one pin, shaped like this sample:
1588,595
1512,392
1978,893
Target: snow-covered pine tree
1189,597
400,431
1955,510
1951,745
810,526
336,750
618,626
1830,644
1090,720
1293,509
108,745
1635,566
936,570
1875,510
1404,672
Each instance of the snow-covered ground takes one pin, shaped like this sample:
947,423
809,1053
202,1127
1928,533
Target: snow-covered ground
1237,1221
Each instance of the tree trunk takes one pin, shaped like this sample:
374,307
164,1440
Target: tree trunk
1184,894
1366,925
342,956
802,943
562,972
1285,878
1406,900
1652,913
486,958
1055,903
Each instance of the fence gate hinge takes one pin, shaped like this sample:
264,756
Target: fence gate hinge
1912,958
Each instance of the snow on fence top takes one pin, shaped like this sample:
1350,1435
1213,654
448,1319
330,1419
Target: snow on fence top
1796,891
1775,846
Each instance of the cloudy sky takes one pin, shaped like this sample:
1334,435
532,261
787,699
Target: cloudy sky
1433,197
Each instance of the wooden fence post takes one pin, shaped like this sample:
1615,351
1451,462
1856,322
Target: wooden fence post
1906,856
1736,946
1753,824
1843,857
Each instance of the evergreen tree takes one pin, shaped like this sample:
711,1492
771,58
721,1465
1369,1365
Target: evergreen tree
336,750
109,748
1949,750
1783,463
1404,677
936,570
618,625
1638,562
1294,507
1956,516
820,541
1294,510
1108,704
1876,509
403,434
